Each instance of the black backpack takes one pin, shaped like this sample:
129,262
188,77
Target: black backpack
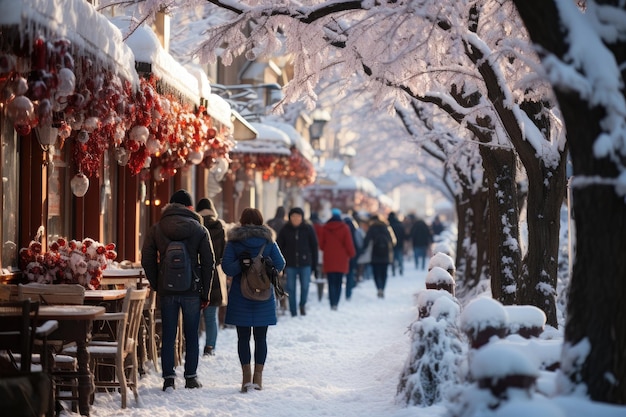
380,246
176,269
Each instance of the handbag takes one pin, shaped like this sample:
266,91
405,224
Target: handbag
218,293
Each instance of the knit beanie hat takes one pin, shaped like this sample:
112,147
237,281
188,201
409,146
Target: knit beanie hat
205,207
335,212
182,197
296,210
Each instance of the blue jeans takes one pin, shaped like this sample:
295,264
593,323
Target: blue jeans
170,307
334,287
303,273
419,252
210,325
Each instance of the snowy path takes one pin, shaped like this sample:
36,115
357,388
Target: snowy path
328,363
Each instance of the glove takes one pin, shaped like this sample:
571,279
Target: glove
315,272
204,304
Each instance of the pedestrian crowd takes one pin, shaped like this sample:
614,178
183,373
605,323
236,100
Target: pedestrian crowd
349,246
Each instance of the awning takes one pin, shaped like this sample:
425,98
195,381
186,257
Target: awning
219,109
151,58
296,139
243,129
90,32
270,140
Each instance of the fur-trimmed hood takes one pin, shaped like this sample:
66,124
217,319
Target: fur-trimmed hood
242,233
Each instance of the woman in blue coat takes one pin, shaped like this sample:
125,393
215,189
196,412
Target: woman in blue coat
249,316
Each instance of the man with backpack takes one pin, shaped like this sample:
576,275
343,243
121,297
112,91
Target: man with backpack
178,259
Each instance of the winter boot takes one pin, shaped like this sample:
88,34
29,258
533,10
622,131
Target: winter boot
257,378
247,378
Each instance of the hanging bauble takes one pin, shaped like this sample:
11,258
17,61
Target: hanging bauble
22,129
118,135
147,162
79,184
20,109
64,131
152,145
91,124
139,134
7,63
158,173
20,86
211,132
166,106
37,88
83,137
122,156
76,121
67,82
195,157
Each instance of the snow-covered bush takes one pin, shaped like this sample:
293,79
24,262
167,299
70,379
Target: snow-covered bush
438,351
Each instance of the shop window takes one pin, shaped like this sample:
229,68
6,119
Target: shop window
9,195
59,195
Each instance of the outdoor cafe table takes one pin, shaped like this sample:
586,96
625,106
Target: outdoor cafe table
75,324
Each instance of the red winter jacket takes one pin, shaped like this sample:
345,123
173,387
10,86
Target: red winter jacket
336,243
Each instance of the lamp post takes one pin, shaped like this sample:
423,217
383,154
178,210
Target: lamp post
316,130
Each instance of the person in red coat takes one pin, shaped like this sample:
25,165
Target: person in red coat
337,245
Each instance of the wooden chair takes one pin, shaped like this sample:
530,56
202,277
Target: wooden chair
22,392
148,337
121,354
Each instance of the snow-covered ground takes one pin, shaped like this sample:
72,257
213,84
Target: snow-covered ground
340,363
327,363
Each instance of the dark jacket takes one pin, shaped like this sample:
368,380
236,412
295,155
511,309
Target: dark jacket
179,223
380,230
278,221
336,243
215,227
420,234
246,241
298,244
398,229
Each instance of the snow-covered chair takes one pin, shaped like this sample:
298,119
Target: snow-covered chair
482,319
440,279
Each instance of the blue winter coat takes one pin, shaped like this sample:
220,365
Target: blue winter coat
249,238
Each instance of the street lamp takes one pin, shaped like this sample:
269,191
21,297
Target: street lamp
316,129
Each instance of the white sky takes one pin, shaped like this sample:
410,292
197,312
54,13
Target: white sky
344,363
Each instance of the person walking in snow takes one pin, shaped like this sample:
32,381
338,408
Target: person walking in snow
250,317
298,243
337,246
278,221
422,238
179,222
398,249
215,226
382,238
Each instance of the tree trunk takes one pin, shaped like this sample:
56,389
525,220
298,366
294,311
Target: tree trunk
472,242
540,265
596,311
504,250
